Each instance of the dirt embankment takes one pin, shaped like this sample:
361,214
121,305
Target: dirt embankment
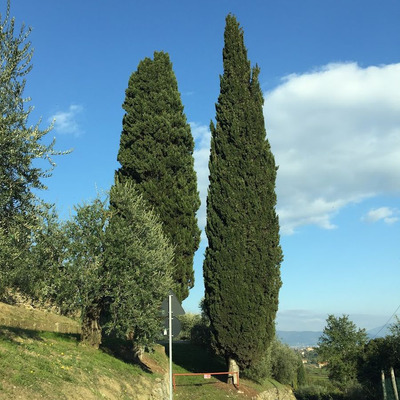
25,317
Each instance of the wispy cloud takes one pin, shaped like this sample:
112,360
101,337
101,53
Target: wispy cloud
385,214
67,122
296,320
335,133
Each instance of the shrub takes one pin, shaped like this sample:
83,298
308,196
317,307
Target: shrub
315,392
200,335
188,321
260,370
284,363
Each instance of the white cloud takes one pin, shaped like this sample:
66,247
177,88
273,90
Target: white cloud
202,136
385,214
335,133
66,122
300,320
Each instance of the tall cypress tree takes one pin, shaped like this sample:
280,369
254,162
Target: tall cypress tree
242,262
156,152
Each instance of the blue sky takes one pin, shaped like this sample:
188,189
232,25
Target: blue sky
330,73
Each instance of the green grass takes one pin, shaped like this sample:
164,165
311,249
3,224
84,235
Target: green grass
41,364
34,364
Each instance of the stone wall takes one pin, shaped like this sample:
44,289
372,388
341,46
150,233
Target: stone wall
276,394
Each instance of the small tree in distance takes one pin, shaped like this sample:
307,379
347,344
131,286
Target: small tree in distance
340,345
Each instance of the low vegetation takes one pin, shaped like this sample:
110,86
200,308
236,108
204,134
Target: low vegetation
353,365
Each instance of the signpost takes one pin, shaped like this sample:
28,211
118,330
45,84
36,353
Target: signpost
169,307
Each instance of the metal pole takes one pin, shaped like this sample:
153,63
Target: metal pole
396,394
383,385
170,343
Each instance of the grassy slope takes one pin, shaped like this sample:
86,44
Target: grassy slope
46,364
40,364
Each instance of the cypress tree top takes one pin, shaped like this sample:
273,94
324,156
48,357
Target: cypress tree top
242,263
156,152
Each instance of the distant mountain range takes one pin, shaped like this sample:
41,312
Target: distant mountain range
310,338
299,338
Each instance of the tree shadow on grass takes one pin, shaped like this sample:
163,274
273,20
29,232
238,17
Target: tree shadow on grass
118,348
197,359
123,350
14,334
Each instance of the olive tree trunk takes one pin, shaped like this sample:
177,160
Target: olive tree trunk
91,329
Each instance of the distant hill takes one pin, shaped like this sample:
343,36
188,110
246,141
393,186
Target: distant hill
310,338
299,338
380,331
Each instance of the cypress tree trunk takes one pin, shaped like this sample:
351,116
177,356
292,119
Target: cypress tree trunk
156,153
242,262
233,367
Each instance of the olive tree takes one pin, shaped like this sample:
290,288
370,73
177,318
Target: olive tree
138,259
21,144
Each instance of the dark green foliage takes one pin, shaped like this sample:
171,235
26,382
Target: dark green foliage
242,262
260,369
156,153
340,345
301,373
188,322
379,354
138,257
375,358
314,392
200,332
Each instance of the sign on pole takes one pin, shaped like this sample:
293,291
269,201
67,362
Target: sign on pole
169,307
177,308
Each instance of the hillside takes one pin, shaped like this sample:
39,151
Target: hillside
310,338
299,338
39,361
